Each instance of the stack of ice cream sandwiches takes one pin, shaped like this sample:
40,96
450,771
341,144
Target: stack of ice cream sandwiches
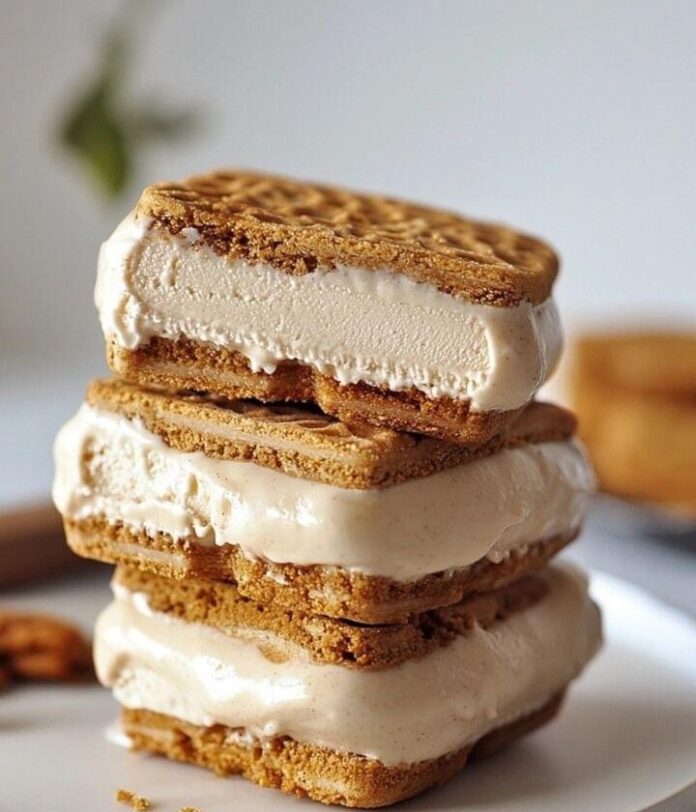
330,494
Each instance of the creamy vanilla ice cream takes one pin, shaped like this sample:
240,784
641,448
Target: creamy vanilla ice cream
418,710
353,324
113,467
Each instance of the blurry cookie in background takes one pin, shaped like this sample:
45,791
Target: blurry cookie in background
635,395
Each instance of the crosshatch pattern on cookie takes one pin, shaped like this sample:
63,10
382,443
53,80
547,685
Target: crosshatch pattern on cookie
299,227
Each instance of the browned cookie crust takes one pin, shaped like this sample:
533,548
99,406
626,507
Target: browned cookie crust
327,640
651,363
307,444
298,227
185,365
308,771
331,591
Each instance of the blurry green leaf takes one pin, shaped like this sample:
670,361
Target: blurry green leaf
93,132
104,132
115,56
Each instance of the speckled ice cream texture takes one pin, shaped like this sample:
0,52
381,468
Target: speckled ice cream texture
455,694
352,324
110,466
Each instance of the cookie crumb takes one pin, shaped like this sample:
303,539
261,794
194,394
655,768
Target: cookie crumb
190,809
137,802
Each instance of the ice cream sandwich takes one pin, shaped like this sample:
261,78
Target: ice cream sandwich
326,709
346,520
400,315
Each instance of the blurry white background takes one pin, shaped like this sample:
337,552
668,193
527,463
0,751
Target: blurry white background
575,121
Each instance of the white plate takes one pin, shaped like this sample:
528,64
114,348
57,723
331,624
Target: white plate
626,739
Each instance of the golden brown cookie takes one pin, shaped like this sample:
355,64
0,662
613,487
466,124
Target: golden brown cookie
298,227
332,591
326,640
40,647
635,395
306,443
653,363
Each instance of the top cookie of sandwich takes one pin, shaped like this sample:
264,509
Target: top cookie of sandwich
298,227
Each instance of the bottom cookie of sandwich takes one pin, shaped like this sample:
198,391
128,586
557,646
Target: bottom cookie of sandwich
308,771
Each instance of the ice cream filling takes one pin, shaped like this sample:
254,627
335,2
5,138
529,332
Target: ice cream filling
352,324
110,466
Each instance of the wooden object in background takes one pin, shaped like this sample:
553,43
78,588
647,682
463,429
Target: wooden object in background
32,545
